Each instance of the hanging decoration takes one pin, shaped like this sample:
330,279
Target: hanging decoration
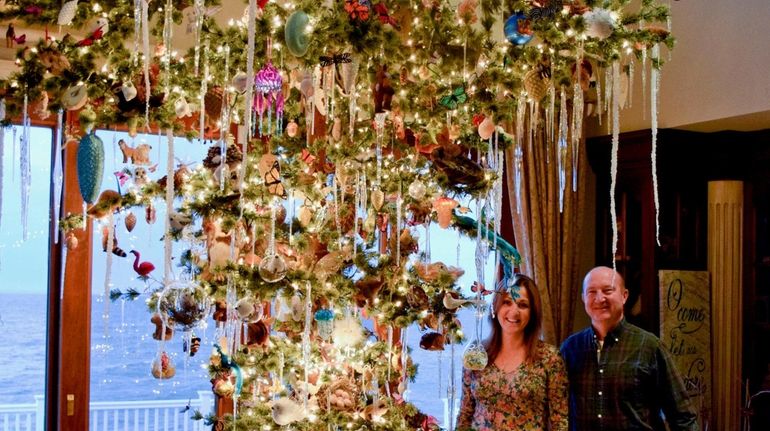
90,166
269,97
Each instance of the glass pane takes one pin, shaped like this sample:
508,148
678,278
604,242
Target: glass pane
430,390
24,279
122,346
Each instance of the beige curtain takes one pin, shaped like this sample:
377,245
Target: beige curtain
549,240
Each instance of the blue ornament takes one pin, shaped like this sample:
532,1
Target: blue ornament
517,29
294,32
90,166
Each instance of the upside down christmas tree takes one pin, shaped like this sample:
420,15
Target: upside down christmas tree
338,131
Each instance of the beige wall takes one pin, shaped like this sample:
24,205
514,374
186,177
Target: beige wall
719,74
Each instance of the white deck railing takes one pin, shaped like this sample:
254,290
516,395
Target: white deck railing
160,415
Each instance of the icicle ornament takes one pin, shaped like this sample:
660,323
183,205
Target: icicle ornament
654,88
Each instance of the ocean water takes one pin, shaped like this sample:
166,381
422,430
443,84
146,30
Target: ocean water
121,356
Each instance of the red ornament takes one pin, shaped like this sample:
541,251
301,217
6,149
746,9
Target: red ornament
356,10
143,268
96,35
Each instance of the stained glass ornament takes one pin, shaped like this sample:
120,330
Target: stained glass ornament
269,98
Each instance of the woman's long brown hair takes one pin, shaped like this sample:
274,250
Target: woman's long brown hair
531,331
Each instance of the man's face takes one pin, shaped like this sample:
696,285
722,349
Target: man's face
604,296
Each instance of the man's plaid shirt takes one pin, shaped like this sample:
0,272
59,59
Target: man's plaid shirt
625,383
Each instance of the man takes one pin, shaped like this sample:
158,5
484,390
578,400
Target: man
620,376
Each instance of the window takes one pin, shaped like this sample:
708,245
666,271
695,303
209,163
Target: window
24,279
122,346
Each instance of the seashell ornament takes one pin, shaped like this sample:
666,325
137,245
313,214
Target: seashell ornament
130,221
129,90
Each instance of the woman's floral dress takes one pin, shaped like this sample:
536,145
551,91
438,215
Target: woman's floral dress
532,397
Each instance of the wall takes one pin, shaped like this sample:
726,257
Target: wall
717,78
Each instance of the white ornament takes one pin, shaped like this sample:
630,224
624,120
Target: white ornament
286,411
128,90
600,23
100,24
67,12
347,332
182,108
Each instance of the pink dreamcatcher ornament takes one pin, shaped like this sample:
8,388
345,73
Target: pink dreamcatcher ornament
269,97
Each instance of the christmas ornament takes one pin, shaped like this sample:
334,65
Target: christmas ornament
357,11
518,29
71,241
90,166
417,190
273,268
475,356
184,302
536,84
139,155
432,341
74,97
240,82
130,221
67,12
294,33
285,411
600,23
149,214
182,108
163,367
143,269
269,96
486,128
163,331
347,332
129,90
444,207
455,98
249,310
378,198
109,201
325,321
291,129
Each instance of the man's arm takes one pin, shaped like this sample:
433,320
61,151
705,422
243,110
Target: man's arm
676,402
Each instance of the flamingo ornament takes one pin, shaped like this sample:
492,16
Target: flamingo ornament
142,268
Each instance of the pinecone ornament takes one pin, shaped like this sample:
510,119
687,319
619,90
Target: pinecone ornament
536,84
90,166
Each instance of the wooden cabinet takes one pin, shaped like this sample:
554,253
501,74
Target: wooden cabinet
686,162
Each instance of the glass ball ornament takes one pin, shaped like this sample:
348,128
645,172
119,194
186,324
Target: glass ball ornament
518,29
273,268
184,304
475,356
417,190
163,367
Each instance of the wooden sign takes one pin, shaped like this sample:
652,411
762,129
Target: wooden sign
685,331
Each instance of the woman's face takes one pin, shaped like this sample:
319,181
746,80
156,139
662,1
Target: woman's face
513,315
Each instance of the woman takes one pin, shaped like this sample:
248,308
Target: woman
524,385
